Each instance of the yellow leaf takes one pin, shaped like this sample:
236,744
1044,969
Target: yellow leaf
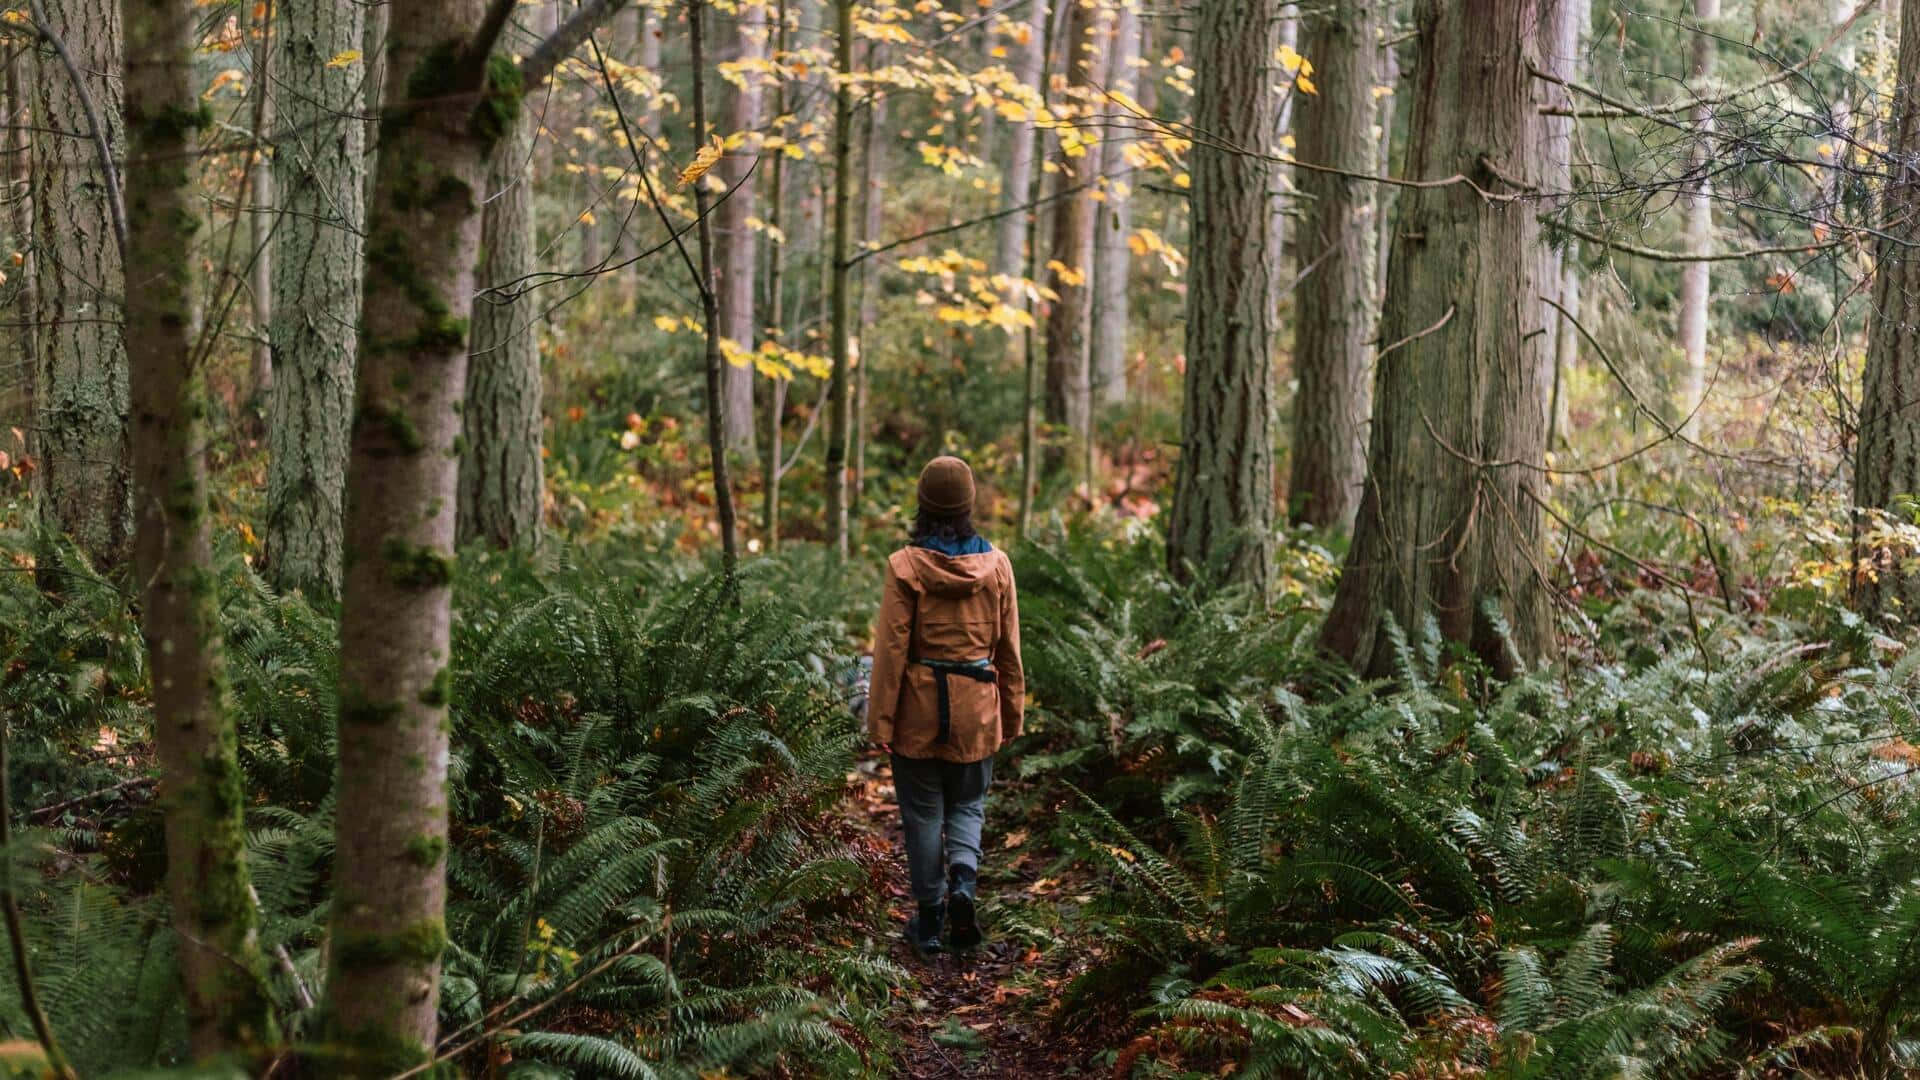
666,322
708,156
344,58
1306,85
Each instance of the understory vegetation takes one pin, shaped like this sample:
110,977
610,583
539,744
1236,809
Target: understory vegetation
1680,851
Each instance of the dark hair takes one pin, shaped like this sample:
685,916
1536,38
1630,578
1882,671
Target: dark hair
951,528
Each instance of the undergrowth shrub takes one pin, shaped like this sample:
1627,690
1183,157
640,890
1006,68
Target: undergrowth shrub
642,847
1679,863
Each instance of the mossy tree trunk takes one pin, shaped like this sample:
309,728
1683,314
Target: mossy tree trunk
737,247
1113,222
1886,469
445,106
1070,318
85,479
501,475
320,181
1449,521
202,793
1222,525
1333,357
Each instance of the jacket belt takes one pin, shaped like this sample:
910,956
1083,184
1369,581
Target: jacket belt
978,670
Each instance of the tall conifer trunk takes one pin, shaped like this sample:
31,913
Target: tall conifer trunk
202,792
501,474
1886,469
1449,522
320,182
1070,318
1333,355
84,479
1222,527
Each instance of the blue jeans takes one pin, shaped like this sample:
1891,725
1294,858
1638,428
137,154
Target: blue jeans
938,797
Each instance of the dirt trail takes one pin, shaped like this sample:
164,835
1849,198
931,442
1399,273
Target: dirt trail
985,1013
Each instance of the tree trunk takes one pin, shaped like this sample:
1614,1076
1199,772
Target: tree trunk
1222,526
872,213
1563,56
1384,194
1283,188
1113,222
1449,522
441,116
21,199
1069,319
710,294
841,415
1886,471
1696,278
201,787
320,174
1031,360
1333,355
500,470
738,244
1030,58
80,400
776,319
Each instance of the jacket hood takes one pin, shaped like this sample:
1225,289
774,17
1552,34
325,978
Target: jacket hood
943,575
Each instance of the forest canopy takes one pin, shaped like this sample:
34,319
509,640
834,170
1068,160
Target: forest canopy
1460,460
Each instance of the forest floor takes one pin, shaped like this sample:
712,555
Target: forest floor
989,1012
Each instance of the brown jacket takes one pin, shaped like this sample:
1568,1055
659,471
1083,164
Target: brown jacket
948,608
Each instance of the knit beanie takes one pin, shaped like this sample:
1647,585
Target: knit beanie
946,487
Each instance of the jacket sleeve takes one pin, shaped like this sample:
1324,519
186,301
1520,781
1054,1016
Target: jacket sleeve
1006,661
892,636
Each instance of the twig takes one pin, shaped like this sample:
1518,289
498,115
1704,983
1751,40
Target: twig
68,804
1665,255
1411,338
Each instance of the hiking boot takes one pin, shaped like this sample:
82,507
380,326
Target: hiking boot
923,930
963,921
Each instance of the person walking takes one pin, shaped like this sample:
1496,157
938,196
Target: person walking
947,690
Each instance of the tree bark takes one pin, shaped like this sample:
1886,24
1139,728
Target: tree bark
80,401
320,175
445,107
1696,278
501,475
1563,56
1222,526
202,792
841,405
1113,222
1069,319
1449,522
710,292
872,213
738,244
1333,354
1030,58
21,199
775,320
1886,470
